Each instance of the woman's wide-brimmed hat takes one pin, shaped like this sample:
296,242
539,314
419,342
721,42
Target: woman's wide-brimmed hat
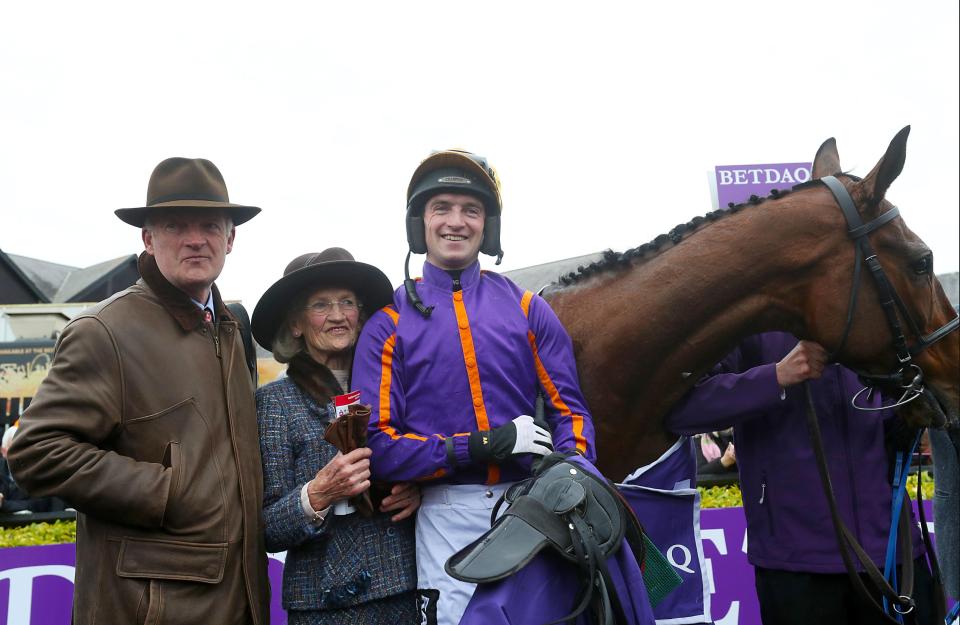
186,183
334,267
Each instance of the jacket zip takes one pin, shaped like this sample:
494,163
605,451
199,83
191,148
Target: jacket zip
224,379
765,502
216,338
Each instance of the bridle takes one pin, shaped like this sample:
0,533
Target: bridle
909,377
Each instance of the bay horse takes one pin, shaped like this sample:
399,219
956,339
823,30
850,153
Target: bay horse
649,322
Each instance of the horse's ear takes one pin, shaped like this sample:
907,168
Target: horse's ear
827,161
875,185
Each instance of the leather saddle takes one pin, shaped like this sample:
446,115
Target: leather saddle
568,509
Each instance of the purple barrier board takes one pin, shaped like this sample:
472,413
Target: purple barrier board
736,183
724,535
36,583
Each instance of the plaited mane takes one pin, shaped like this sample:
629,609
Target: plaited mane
613,261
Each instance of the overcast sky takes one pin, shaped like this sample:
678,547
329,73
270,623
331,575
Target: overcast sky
604,120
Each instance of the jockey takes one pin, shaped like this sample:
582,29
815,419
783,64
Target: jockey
453,369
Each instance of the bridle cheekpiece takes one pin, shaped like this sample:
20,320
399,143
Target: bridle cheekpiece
909,377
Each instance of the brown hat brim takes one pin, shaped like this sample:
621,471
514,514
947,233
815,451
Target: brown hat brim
371,285
137,216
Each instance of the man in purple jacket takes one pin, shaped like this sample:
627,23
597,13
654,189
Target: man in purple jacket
800,576
452,371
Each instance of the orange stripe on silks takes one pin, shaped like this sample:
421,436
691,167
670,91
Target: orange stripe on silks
432,476
386,377
473,375
525,303
470,361
555,399
392,313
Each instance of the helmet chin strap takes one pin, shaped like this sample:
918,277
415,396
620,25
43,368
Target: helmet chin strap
410,287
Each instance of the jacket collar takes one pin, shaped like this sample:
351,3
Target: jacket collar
434,276
175,301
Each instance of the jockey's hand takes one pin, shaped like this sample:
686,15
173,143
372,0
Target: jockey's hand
804,362
404,499
520,436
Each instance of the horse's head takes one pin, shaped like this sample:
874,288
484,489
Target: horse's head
865,337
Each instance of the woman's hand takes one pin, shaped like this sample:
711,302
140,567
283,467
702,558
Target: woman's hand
343,477
404,497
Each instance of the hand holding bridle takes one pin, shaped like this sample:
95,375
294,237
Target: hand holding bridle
804,362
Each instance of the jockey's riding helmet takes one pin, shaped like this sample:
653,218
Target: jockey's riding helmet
454,171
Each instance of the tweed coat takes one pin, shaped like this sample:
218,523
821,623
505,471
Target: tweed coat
146,425
346,561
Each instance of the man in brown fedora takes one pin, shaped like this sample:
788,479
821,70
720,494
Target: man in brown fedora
146,425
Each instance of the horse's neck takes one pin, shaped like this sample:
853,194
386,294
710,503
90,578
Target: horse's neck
694,300
665,320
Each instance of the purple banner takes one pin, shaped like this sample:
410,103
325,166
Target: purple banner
36,583
671,518
736,183
724,535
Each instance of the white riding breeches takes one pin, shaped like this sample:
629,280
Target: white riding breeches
451,516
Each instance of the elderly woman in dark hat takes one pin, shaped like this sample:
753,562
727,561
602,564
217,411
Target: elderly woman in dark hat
340,568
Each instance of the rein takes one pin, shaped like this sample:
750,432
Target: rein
903,603
908,378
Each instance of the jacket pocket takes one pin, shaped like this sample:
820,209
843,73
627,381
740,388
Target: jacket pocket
172,460
167,559
179,437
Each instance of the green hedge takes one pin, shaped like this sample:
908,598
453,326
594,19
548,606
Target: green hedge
66,531
39,534
729,496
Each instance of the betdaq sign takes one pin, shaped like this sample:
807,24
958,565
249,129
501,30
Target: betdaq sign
736,183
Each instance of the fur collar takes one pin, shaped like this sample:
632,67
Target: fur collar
314,379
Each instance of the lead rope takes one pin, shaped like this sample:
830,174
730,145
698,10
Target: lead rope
845,538
899,484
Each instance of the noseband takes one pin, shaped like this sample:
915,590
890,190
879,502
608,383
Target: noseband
909,377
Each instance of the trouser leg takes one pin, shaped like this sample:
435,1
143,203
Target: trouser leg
449,519
793,598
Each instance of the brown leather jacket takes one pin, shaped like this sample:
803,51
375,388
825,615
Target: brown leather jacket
146,424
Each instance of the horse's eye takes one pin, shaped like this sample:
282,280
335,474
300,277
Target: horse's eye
924,265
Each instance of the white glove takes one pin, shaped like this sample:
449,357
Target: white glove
531,438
